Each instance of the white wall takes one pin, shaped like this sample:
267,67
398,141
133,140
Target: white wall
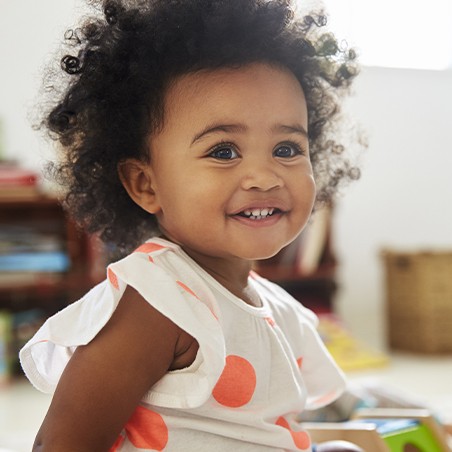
30,31
404,195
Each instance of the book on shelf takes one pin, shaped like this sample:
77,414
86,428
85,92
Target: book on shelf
44,261
25,279
313,242
18,183
16,238
16,328
31,254
12,175
6,330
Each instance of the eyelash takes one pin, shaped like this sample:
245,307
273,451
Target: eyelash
222,146
296,148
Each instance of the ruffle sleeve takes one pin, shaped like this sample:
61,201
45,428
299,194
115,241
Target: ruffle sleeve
172,287
323,379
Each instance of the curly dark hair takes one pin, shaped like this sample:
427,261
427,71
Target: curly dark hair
123,58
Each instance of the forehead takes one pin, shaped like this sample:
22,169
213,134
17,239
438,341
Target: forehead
256,93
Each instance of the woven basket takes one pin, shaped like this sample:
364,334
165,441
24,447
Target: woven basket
419,300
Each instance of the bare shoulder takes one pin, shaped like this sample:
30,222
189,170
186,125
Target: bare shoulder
149,329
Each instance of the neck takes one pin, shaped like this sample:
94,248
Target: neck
230,273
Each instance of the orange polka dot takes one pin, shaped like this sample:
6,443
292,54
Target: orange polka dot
113,279
150,259
300,439
117,444
146,429
270,321
236,384
149,248
300,362
187,289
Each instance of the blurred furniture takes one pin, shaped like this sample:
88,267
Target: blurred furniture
418,300
44,222
306,267
386,430
46,262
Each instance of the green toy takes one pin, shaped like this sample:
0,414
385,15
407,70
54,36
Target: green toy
386,430
403,435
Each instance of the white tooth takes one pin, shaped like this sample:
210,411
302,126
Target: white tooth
264,212
270,211
248,213
256,212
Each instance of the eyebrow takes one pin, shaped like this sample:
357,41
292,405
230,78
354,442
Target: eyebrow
294,128
213,128
240,128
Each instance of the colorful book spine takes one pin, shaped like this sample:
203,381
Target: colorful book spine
5,346
43,262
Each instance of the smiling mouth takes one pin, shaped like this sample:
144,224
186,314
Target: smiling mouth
259,214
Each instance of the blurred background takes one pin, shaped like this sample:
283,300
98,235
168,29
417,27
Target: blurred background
402,100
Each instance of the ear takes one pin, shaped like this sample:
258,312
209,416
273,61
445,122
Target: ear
137,178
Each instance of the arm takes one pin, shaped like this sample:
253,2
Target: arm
105,380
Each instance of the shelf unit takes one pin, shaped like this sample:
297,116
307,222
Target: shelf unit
315,289
49,291
27,298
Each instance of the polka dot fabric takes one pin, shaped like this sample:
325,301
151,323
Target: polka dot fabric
146,429
255,368
300,439
237,383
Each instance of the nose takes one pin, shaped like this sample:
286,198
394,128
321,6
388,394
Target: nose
262,176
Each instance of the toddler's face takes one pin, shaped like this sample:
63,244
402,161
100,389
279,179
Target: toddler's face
231,168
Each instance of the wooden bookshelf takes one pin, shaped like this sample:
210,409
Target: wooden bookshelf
313,285
47,290
28,297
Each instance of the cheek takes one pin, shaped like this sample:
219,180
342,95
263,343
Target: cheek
186,201
304,189
312,189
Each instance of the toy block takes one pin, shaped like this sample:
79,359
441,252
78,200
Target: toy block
385,430
407,429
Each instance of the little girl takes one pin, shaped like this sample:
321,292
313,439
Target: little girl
191,134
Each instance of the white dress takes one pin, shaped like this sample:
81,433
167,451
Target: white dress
255,370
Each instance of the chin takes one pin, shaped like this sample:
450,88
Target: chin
262,254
